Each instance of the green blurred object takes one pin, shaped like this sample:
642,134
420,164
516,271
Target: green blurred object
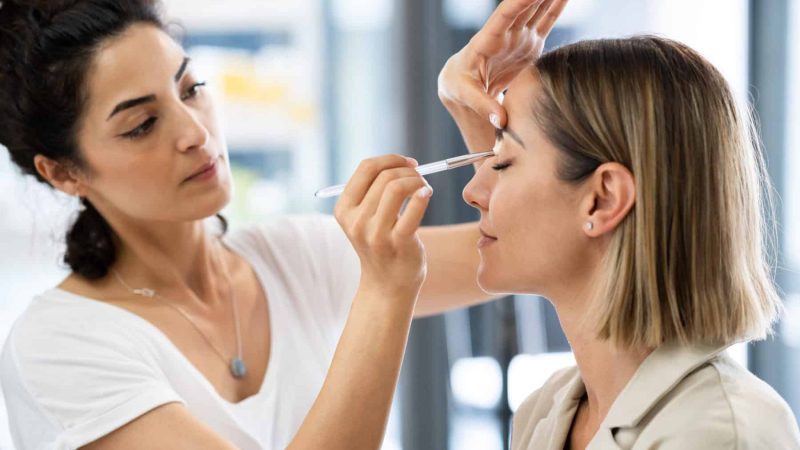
243,179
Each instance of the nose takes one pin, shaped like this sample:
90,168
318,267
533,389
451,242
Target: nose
477,192
191,132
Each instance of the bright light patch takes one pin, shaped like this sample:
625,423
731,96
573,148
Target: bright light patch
527,373
477,382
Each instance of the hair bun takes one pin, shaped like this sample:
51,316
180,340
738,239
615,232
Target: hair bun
22,12
8,8
10,11
10,14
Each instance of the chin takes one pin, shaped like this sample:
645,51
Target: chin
505,282
211,204
491,283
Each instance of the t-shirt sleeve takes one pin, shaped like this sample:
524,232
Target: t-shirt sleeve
66,386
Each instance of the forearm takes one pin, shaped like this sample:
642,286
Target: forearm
453,260
352,408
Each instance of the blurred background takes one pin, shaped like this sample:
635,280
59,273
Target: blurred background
308,88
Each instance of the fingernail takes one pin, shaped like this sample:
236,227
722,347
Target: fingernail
414,162
424,192
495,120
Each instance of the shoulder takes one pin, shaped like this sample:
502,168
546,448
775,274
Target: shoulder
57,317
539,403
73,369
61,331
545,395
312,247
291,230
292,239
722,405
286,240
762,418
311,256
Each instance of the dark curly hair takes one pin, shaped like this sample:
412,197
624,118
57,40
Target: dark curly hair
46,49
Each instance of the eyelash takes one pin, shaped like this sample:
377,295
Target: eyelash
141,130
501,166
498,135
147,125
193,90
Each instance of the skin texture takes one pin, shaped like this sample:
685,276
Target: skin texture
140,187
537,243
534,224
137,162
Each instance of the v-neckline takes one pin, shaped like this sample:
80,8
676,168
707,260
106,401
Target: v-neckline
262,278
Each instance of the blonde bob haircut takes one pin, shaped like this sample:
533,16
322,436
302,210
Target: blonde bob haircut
689,262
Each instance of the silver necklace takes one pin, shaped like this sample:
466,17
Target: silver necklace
235,364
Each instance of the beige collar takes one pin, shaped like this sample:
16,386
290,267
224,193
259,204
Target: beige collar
658,374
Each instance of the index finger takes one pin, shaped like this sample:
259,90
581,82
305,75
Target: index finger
550,17
503,18
365,175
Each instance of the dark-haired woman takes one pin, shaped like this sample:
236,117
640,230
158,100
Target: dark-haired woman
170,333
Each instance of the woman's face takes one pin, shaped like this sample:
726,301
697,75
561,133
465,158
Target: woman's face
534,242
148,127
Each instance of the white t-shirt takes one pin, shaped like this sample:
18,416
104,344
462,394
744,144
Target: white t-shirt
75,369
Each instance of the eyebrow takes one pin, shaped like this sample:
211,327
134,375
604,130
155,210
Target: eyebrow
498,134
127,104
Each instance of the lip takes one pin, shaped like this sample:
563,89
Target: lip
485,239
487,235
204,172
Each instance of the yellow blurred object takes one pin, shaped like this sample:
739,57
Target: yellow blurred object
248,88
303,113
242,83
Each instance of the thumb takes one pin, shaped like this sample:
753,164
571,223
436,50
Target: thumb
497,116
487,107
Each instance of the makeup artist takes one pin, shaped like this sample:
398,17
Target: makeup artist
170,331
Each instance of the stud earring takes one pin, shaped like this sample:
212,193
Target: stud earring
589,226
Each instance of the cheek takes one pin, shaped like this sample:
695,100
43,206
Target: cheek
132,175
513,214
536,239
138,188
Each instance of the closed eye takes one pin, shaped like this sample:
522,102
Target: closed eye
501,166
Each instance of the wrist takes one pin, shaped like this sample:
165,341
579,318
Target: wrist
387,299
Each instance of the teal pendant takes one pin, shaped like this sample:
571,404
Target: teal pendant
238,369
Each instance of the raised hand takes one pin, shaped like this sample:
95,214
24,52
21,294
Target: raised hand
512,39
369,211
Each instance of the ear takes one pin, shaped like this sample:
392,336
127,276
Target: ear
611,197
61,177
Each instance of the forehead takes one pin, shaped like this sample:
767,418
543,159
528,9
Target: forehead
521,93
136,60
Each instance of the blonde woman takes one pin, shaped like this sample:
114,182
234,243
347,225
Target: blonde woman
627,190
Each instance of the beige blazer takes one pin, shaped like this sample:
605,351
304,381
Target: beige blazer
680,398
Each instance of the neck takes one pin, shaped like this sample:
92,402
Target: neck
604,369
170,258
